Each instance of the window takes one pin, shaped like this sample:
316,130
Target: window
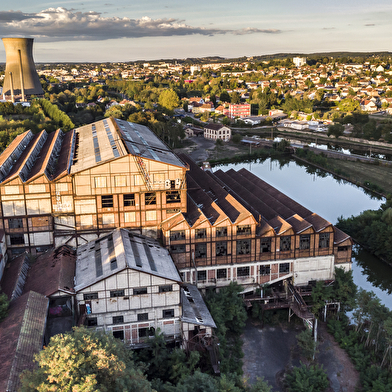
17,239
200,250
221,273
244,230
284,268
90,296
165,288
342,248
304,241
118,335
151,215
129,217
202,276
265,270
107,201
324,240
143,332
177,235
117,293
118,319
168,313
113,264
150,198
221,232
243,247
177,248
129,200
142,317
173,197
200,233
265,245
120,181
221,248
285,243
243,272
140,291
92,322
15,223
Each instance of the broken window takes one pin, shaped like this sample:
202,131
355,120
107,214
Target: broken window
221,232
265,270
342,248
285,243
118,335
15,223
142,317
243,247
140,291
173,197
177,235
243,272
244,230
221,248
304,241
118,319
221,273
92,322
201,276
168,313
117,293
150,198
324,240
90,296
201,250
107,201
165,288
200,233
178,248
129,200
17,239
265,245
284,268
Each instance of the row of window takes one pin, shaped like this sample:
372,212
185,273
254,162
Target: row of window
150,198
243,272
244,246
166,313
121,293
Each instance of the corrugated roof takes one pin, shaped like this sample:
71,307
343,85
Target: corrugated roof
95,260
21,337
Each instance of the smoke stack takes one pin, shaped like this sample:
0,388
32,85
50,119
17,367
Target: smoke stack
21,78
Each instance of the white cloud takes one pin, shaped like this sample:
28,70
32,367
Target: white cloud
57,24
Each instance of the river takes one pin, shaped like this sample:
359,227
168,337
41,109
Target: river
330,198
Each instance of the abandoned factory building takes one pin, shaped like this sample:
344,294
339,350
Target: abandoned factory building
75,187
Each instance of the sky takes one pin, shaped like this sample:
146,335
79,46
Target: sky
126,30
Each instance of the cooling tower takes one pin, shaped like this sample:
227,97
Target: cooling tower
21,78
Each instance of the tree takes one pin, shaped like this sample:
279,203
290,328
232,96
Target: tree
260,386
3,306
169,100
225,96
235,98
335,130
85,360
307,344
344,289
307,379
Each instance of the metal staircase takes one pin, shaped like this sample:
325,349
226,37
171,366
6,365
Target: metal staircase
144,172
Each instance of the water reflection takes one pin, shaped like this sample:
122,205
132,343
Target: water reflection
330,198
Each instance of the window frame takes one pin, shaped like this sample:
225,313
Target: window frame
107,201
117,293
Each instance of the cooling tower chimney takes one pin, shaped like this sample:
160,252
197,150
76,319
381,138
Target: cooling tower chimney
21,78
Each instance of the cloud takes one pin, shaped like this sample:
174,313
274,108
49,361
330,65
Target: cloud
329,28
58,24
369,24
12,16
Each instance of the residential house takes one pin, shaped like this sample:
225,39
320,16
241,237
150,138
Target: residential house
217,131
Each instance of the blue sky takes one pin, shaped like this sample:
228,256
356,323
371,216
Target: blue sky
124,30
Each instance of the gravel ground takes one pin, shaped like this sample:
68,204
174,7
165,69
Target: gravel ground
269,351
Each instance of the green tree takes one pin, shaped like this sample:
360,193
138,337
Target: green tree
307,344
235,98
344,289
169,100
335,130
259,386
307,379
225,96
85,360
3,306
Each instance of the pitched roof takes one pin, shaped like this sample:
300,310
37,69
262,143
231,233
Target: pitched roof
52,272
21,337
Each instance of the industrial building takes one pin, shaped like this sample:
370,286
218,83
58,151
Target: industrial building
72,188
